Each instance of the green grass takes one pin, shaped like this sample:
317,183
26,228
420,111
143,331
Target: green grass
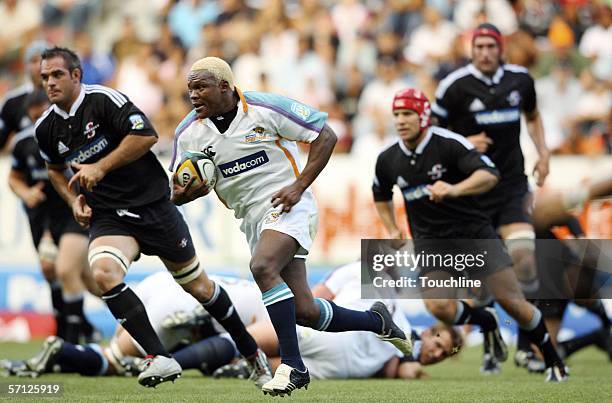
455,380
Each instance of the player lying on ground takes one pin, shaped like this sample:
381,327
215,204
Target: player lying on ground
355,354
252,139
184,328
438,173
121,193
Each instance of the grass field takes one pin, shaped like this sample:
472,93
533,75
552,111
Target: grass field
456,380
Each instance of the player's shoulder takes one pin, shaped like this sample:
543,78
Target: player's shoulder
186,122
449,137
101,93
16,95
270,103
21,137
43,121
452,79
515,69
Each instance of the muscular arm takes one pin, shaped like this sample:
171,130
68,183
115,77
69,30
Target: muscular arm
130,149
387,216
60,183
480,181
536,132
320,151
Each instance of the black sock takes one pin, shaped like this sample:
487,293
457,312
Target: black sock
600,310
474,316
57,302
128,309
538,334
334,318
221,308
570,346
85,360
206,355
73,317
523,342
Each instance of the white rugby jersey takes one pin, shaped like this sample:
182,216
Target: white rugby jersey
257,155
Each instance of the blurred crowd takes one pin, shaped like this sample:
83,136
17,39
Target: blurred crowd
346,57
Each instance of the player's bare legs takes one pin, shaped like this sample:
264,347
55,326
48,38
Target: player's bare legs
288,299
215,300
109,259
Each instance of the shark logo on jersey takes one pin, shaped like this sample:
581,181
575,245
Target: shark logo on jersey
243,164
90,129
476,105
301,110
436,171
514,98
61,148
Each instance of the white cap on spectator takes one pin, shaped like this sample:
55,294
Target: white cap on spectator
217,67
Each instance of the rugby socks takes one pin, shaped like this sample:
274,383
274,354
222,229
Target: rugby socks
538,334
73,316
523,343
570,346
206,355
221,308
57,302
466,314
280,303
334,318
129,311
85,360
597,308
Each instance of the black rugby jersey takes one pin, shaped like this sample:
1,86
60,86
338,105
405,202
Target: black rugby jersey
98,121
26,160
13,115
441,155
468,102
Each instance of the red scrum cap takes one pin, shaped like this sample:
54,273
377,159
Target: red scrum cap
489,30
415,100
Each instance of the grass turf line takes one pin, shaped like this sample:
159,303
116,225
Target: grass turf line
458,379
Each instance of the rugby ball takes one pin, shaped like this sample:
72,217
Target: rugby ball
196,164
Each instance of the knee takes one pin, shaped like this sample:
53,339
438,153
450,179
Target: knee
48,270
307,314
443,309
107,275
265,270
201,288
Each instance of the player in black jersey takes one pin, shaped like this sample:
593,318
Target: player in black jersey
484,101
13,116
439,173
123,198
47,211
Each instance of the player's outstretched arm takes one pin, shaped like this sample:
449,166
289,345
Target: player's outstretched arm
320,151
131,148
536,132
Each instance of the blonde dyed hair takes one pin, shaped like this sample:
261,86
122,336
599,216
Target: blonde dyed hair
217,67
